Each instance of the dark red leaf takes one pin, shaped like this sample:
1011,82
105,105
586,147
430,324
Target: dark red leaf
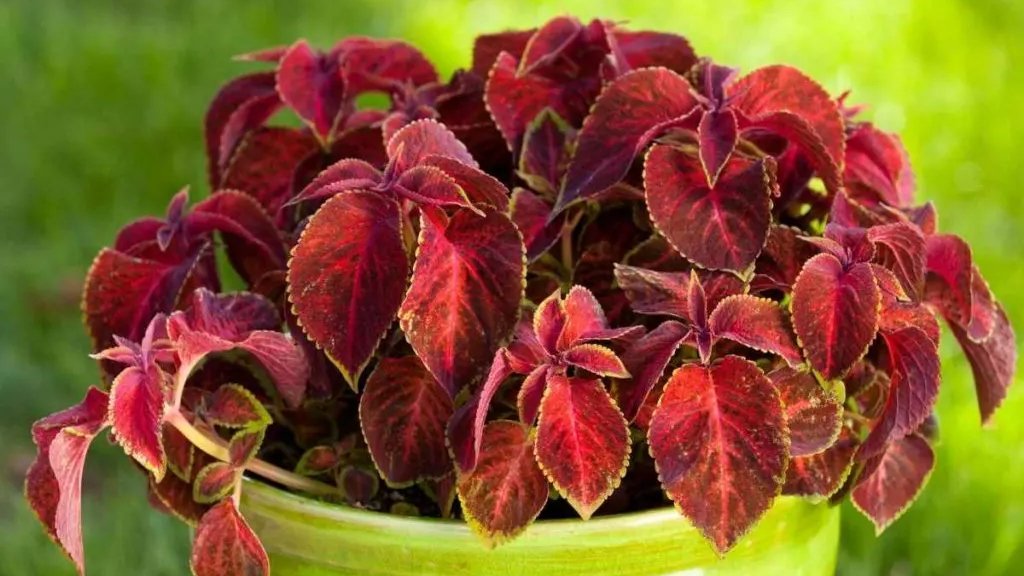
993,362
265,163
480,187
382,65
782,258
582,441
507,490
717,133
466,427
254,246
721,227
531,392
487,47
343,175
515,99
718,438
652,292
899,310
646,360
549,322
814,415
900,247
949,275
756,323
137,403
463,300
877,169
532,215
347,277
239,107
627,115
403,413
913,389
214,482
891,481
429,186
173,496
643,49
318,460
821,475
312,85
358,485
414,143
545,152
180,453
225,544
244,445
835,313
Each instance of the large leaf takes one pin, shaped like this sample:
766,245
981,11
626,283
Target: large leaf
225,544
463,301
718,438
403,413
582,441
722,227
891,481
506,490
757,323
835,313
814,415
347,276
627,115
53,483
265,163
993,363
137,403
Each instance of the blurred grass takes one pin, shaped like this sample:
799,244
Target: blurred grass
100,121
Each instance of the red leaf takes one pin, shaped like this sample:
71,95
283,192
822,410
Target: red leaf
900,247
582,441
718,438
643,49
821,475
722,227
232,406
652,292
403,412
53,483
214,482
877,169
180,453
898,310
382,65
545,152
814,415
342,176
318,460
891,481
312,85
835,313
718,135
254,246
265,163
466,427
782,258
137,404
507,490
173,496
549,321
646,360
993,362
531,392
531,214
418,140
225,544
245,445
949,275
584,319
597,359
756,323
239,107
429,186
914,387
482,188
347,276
487,47
627,115
231,315
463,300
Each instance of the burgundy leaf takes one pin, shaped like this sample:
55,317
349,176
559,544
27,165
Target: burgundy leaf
652,292
347,277
835,313
821,475
549,321
531,392
487,47
643,49
582,441
254,246
430,186
137,404
532,215
900,247
374,64
232,406
721,227
718,438
584,319
596,359
814,415
318,460
311,84
949,275
225,544
244,445
545,152
892,480
506,491
265,164
423,138
718,134
756,323
463,300
627,115
180,453
403,412
466,427
342,176
239,107
482,188
214,482
646,360
783,257
993,363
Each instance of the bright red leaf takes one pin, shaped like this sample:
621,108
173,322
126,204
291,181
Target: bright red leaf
756,323
225,544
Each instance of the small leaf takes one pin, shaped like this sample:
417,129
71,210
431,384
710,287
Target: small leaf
137,404
342,176
835,313
646,360
180,453
531,392
482,188
597,359
653,292
245,445
821,475
584,318
630,112
466,427
358,485
814,415
756,323
722,227
214,482
173,496
718,135
225,544
718,438
463,300
430,186
318,460
545,152
506,473
582,441
892,480
346,288
403,413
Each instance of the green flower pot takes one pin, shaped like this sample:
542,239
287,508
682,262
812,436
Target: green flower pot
309,538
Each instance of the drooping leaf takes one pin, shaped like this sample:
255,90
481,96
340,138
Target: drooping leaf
214,482
721,227
993,363
137,404
311,84
627,115
582,441
463,300
347,277
232,406
948,281
718,134
403,413
913,389
53,483
891,481
225,544
900,247
718,438
487,47
756,323
180,453
646,360
466,427
835,313
506,490
821,475
814,415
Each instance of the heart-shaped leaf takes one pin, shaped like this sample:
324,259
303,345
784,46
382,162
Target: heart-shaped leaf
403,413
225,544
891,481
582,441
718,438
412,144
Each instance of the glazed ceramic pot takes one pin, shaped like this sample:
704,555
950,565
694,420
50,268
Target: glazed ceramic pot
305,537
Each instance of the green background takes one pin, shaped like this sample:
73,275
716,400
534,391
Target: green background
101,106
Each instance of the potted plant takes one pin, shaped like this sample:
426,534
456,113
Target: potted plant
625,278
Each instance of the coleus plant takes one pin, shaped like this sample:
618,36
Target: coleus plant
618,270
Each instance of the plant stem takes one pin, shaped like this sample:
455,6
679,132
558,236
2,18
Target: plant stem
218,448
